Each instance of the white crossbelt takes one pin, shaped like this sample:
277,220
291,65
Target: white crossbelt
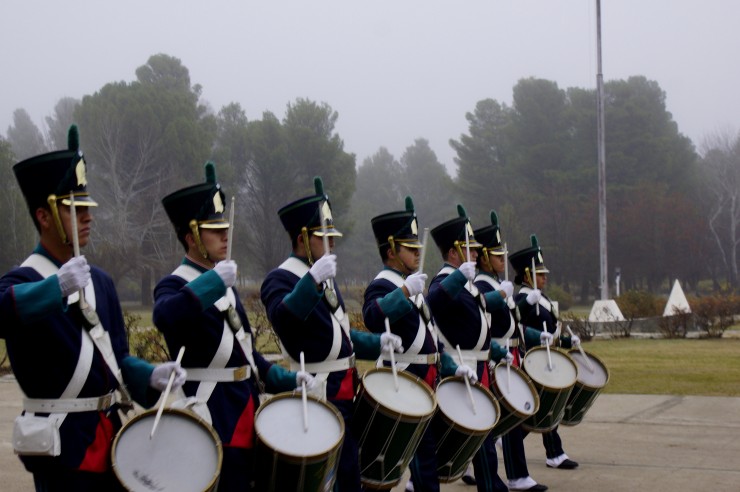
513,342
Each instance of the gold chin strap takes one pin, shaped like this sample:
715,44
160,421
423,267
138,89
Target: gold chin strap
52,201
487,259
306,245
458,248
528,277
196,237
392,244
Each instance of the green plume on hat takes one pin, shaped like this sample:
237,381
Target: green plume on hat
409,204
73,138
210,172
461,211
533,239
494,218
318,185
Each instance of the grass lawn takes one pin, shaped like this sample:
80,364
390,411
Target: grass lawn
709,367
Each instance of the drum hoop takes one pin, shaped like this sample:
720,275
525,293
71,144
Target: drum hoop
530,385
486,392
567,357
289,395
183,413
404,417
601,363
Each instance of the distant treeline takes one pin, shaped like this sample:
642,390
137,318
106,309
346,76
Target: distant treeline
672,213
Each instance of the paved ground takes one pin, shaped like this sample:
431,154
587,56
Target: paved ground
625,443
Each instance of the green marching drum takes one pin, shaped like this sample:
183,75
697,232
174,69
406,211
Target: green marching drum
516,396
184,454
553,385
593,376
291,457
389,424
460,428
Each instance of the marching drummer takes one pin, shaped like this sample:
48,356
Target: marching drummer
459,311
64,331
307,312
396,293
491,265
197,307
540,317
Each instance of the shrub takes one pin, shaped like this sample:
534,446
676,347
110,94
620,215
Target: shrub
714,314
676,325
639,304
146,343
563,298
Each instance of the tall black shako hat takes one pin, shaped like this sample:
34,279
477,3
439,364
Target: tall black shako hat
521,261
50,178
452,233
197,207
397,228
309,215
490,237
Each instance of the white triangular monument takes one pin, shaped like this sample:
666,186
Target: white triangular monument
677,302
605,310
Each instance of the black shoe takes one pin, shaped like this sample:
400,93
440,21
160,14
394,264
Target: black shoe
538,486
469,479
567,464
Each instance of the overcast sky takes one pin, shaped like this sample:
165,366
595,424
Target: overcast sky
395,70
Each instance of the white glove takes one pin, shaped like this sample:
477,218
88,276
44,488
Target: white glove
161,375
305,377
390,342
509,358
507,287
324,268
73,275
468,372
545,338
575,341
226,269
468,269
415,283
534,297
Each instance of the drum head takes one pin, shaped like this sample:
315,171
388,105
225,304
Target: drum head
595,376
516,389
454,401
279,424
562,374
413,398
184,454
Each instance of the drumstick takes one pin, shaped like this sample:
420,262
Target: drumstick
467,382
231,230
508,368
393,357
166,393
325,240
467,249
423,250
304,398
547,345
76,241
506,262
583,354
534,286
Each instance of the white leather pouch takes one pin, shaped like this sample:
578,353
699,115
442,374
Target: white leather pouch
36,436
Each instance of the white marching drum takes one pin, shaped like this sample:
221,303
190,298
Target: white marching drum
593,375
459,428
183,455
553,385
516,395
290,457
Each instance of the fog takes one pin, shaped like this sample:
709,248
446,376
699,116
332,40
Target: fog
394,70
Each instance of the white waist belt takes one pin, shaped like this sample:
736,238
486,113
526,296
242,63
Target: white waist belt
513,342
428,359
227,375
328,365
69,405
475,354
